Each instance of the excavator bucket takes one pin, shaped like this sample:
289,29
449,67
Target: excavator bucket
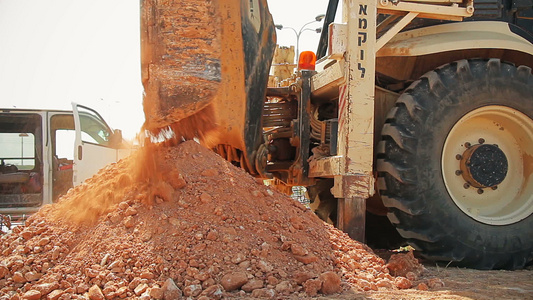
205,67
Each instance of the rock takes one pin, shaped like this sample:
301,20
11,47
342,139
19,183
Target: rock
402,263
123,205
213,292
92,273
209,282
205,198
18,278
141,288
176,180
411,276
192,290
54,295
82,288
264,266
32,276
104,260
116,218
129,222
435,283
233,281
209,172
212,235
46,288
3,271
27,234
312,286
116,264
253,284
32,295
264,293
131,211
44,241
331,283
366,285
95,293
272,280
402,282
202,276
301,277
307,259
122,291
147,275
165,191
174,221
45,267
109,291
145,295
422,287
156,293
171,290
238,258
56,252
386,283
284,288
298,250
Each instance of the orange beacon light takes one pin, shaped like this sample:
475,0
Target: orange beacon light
307,61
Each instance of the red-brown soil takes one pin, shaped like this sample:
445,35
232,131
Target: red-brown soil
171,222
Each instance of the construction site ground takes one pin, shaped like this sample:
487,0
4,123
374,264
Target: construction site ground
461,283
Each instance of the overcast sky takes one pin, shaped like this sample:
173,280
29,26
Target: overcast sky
54,52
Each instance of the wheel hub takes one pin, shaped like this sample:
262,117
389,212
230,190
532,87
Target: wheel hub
487,165
484,165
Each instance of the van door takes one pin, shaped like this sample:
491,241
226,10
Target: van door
93,148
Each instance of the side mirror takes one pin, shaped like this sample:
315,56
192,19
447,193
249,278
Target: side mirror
116,139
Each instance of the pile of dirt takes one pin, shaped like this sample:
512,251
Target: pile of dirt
180,221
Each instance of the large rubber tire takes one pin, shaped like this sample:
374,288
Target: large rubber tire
431,206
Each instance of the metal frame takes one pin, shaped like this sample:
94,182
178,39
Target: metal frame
356,43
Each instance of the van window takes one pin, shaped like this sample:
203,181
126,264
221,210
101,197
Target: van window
65,139
20,142
93,128
21,159
64,134
18,148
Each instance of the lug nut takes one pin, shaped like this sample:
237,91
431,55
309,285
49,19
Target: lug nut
480,191
458,172
458,157
468,145
466,185
481,140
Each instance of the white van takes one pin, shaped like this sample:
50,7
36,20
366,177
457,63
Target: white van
43,153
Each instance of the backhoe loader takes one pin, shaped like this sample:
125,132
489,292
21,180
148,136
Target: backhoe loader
418,110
